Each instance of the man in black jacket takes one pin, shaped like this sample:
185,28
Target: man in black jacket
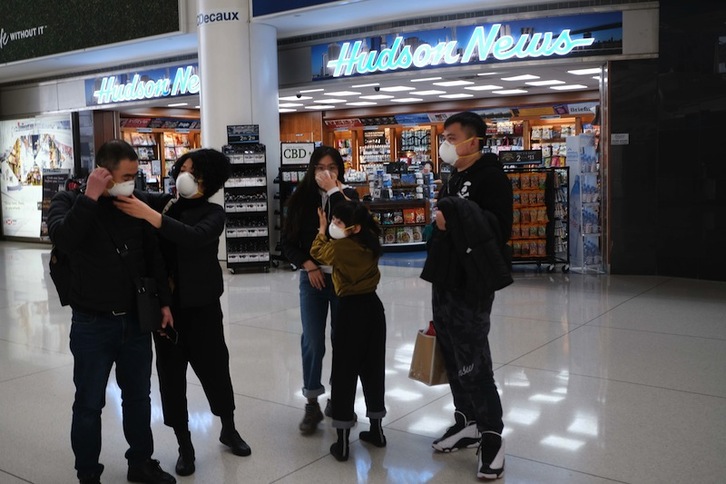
461,321
107,249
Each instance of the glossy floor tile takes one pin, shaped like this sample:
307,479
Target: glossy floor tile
604,379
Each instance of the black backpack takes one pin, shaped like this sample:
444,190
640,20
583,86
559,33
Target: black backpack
60,272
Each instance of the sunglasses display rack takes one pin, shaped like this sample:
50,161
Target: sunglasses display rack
246,204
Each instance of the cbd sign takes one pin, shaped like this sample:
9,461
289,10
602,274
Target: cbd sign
296,153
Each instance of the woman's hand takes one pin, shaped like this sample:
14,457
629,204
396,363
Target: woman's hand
322,221
315,274
136,208
326,180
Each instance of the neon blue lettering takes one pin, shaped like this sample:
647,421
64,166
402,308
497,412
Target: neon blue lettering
483,43
499,51
385,58
534,49
422,55
405,59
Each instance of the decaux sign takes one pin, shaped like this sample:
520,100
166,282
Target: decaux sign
593,34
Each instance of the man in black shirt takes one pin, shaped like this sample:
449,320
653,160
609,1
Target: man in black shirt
105,247
462,321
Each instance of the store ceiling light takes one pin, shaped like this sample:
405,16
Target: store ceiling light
523,77
323,101
585,72
552,82
569,87
407,100
426,79
290,105
397,88
377,96
488,87
431,92
487,73
196,107
365,85
511,91
285,110
453,83
297,97
457,95
176,105
362,103
321,106
312,90
596,77
342,93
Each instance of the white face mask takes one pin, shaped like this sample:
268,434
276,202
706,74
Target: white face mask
447,153
336,232
123,189
186,185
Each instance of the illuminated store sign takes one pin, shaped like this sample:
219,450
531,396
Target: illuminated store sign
140,86
594,34
481,45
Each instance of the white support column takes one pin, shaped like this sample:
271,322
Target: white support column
239,85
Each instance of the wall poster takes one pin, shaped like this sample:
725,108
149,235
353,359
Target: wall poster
28,148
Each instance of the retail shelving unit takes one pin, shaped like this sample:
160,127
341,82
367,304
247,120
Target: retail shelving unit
585,198
246,205
288,178
540,209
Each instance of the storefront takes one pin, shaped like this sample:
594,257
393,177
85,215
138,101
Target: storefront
538,81
154,109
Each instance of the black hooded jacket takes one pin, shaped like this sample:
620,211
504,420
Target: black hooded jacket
89,232
471,254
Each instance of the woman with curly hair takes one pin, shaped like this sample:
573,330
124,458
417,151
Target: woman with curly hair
189,227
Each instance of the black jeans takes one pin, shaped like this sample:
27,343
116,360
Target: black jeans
463,333
359,350
98,341
201,344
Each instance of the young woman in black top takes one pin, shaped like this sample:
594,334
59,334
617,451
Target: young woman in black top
322,187
189,228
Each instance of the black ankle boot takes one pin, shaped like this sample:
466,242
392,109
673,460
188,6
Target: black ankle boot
340,449
185,462
375,435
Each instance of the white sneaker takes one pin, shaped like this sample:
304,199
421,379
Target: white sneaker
490,464
461,435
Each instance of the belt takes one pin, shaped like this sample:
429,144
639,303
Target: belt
95,312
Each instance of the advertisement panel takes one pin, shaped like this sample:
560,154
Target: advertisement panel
41,28
597,34
28,148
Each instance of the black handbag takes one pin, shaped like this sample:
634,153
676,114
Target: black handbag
60,272
148,305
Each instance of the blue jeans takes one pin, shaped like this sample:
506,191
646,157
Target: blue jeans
313,313
98,340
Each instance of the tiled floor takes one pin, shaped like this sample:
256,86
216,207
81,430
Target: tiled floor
603,379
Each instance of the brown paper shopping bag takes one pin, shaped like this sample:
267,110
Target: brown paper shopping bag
427,364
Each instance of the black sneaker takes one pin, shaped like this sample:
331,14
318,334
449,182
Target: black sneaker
149,473
463,434
312,417
490,464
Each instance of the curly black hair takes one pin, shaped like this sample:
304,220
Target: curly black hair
210,166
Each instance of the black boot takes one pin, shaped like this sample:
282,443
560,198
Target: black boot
375,435
231,438
185,462
340,449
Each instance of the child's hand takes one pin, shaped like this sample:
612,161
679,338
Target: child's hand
323,221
